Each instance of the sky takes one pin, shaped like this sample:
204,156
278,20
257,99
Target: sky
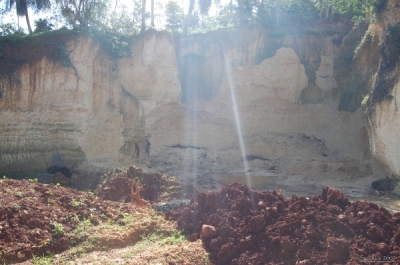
12,18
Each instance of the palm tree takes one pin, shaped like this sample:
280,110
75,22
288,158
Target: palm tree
23,5
204,7
22,10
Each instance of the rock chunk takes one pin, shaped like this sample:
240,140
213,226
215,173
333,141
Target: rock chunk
385,184
334,196
257,223
207,231
337,250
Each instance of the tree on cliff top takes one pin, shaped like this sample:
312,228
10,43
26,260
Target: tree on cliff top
22,7
174,17
103,14
83,14
358,9
143,27
204,6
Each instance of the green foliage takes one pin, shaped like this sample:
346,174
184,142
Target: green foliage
43,25
174,17
207,24
42,260
158,238
358,10
58,229
226,16
16,206
35,180
22,8
63,56
84,14
270,13
365,100
137,14
122,24
76,203
114,21
163,237
7,29
114,30
49,192
19,194
301,11
117,46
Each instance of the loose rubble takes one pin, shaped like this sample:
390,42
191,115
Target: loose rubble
253,227
157,187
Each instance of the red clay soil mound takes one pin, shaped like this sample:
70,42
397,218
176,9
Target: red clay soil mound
156,187
36,218
239,225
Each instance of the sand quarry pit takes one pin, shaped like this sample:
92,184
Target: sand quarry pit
238,225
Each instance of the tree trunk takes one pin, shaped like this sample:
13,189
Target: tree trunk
327,8
321,6
152,13
143,27
116,4
188,17
27,22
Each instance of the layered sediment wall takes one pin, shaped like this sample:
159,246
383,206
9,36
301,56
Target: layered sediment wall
242,99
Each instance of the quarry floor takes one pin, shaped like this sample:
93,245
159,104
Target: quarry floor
353,187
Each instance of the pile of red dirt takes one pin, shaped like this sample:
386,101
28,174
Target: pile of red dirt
239,225
36,219
156,187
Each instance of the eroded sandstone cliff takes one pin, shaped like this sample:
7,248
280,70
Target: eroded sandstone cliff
89,110
382,110
231,99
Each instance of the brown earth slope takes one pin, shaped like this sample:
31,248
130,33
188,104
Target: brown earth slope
38,221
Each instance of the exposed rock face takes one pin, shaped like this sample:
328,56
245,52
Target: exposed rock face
257,107
382,111
91,111
384,132
216,98
391,16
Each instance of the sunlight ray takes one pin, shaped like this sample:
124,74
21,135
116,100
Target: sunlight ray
237,119
190,123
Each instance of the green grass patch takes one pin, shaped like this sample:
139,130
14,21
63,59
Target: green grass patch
44,260
157,239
